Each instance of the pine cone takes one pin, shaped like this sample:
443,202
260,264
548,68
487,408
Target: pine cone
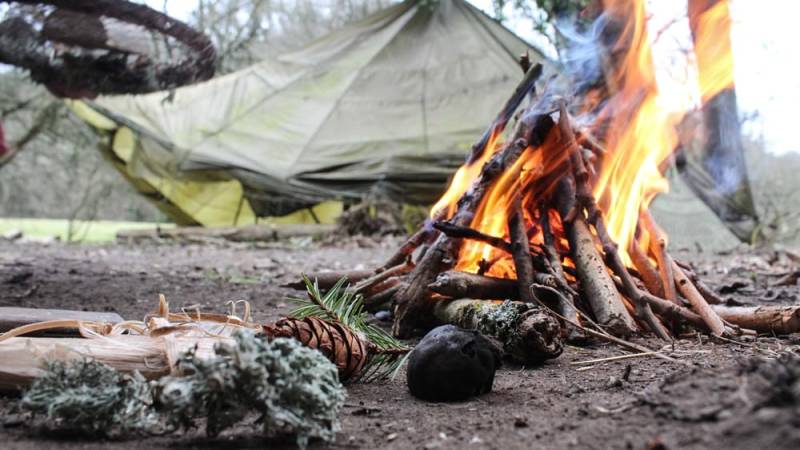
340,345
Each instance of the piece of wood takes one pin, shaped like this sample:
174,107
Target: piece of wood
596,283
535,337
13,317
372,285
699,304
763,319
409,246
520,252
456,284
455,231
23,357
658,246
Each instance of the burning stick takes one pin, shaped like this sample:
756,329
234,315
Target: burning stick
698,302
520,252
456,231
596,284
658,245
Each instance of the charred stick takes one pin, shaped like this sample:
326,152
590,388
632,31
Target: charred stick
382,299
566,303
520,252
457,284
365,287
602,335
405,251
377,288
649,274
327,279
633,292
711,297
658,246
697,301
456,231
525,86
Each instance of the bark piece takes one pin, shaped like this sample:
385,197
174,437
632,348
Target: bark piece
763,319
12,317
457,284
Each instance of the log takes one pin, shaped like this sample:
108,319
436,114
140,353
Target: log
699,304
529,334
763,319
247,233
596,283
457,284
12,317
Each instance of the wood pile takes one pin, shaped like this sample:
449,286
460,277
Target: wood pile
556,241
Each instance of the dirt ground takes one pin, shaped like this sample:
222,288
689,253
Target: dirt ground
707,401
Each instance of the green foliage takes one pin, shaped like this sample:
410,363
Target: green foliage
91,398
340,305
294,389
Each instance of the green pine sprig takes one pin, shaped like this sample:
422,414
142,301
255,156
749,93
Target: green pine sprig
386,354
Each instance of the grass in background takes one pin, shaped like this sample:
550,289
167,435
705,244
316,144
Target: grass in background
77,231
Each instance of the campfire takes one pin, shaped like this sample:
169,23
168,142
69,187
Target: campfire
556,213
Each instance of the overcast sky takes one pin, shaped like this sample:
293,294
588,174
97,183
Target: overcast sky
764,41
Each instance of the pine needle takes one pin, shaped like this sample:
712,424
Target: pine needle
338,305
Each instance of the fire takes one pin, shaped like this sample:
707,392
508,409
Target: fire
463,179
712,46
641,136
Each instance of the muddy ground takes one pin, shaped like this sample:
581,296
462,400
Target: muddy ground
718,399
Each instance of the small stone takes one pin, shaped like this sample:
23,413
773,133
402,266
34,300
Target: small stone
519,422
451,364
613,382
391,437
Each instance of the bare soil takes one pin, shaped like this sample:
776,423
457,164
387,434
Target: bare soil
704,402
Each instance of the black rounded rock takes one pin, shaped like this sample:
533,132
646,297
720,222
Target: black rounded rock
451,364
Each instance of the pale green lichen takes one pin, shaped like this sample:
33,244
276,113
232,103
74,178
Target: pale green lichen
502,321
88,397
295,389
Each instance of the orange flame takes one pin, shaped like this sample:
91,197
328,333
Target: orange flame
712,45
642,136
463,179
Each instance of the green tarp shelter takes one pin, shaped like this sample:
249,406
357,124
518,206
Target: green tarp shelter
389,105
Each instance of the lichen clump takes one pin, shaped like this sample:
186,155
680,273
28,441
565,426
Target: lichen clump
289,388
294,388
501,321
90,398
